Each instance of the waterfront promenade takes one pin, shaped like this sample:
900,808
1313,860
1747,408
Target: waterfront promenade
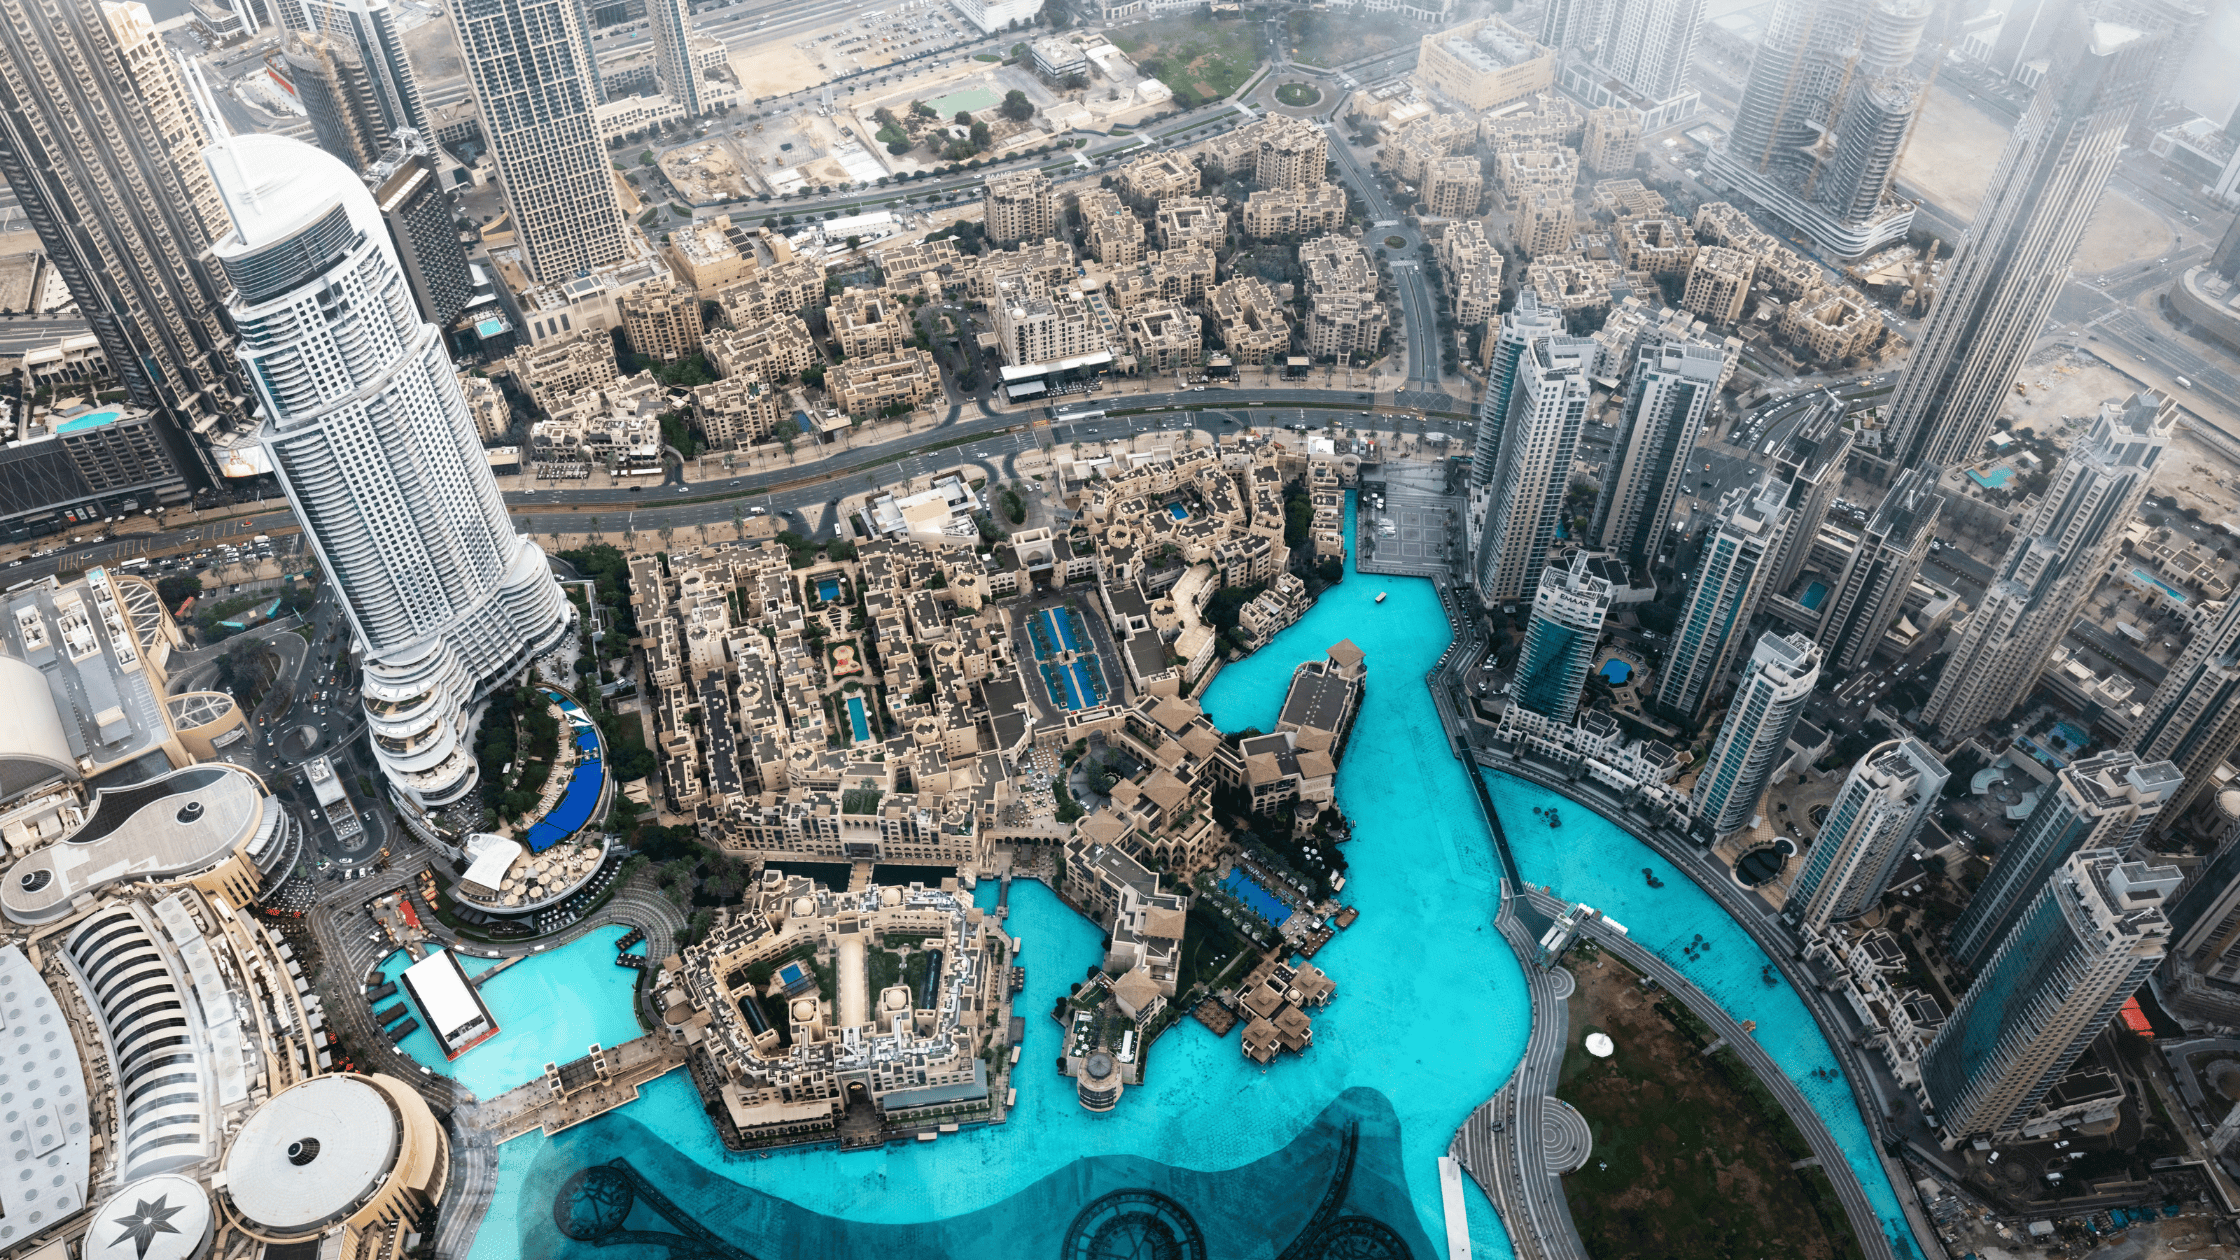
1518,1144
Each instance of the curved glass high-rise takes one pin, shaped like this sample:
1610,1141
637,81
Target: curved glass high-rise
372,439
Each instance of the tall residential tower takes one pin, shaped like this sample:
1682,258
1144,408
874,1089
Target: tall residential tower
1880,570
2015,258
2105,801
2083,944
1568,610
1538,430
2058,556
1674,386
98,142
1879,811
1779,678
535,88
2193,720
1730,574
374,443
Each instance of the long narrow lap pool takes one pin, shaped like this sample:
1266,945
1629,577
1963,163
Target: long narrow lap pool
1430,1017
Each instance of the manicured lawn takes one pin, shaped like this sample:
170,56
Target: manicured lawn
1198,56
1297,95
1333,39
1691,1155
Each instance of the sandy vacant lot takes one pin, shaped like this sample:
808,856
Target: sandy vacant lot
774,70
1950,159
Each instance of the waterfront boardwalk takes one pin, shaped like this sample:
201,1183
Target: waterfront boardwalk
1518,1144
570,1093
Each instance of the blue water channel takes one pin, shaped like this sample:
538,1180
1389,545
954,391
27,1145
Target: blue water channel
856,719
1431,1010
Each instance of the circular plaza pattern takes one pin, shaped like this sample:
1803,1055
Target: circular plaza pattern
1565,1139
1299,95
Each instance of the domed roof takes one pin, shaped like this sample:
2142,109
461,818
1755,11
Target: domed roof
164,1217
2229,801
312,1154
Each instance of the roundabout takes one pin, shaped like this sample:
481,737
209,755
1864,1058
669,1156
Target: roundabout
1299,95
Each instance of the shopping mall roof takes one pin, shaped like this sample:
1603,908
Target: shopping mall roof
183,823
313,1154
46,1094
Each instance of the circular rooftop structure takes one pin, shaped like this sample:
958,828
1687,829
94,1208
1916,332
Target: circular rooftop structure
164,1217
333,1149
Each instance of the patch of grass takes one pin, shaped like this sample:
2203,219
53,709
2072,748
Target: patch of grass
986,57
1297,95
1396,242
1680,1139
1333,39
1198,56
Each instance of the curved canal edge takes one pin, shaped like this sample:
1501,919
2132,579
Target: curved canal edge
1516,1179
1868,1227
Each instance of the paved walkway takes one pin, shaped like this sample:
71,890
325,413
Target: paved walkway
1520,1142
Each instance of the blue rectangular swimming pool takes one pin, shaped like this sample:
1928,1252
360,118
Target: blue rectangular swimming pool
1257,899
828,589
856,718
1177,511
2169,592
1813,594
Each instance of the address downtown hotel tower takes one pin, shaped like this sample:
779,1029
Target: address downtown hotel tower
372,439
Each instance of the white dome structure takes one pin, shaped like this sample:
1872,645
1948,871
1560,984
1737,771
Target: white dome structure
361,1152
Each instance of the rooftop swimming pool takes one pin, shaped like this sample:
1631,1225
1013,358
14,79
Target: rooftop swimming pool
1814,592
1244,1152
1993,478
90,420
1615,672
856,719
828,589
2169,592
1256,899
1178,512
585,782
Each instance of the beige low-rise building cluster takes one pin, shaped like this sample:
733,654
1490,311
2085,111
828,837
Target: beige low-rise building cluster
776,348
1411,151
1627,199
566,366
1345,316
712,254
1019,207
1191,223
1453,187
784,289
924,269
1581,288
1719,284
874,385
1832,327
1284,213
738,410
1254,328
1276,151
798,1008
1156,176
1656,247
1114,235
662,322
616,428
869,323
1163,339
1542,120
1612,141
1472,268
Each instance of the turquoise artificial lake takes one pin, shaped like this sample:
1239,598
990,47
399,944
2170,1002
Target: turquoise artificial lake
1430,1017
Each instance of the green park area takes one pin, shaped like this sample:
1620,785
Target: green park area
1298,95
1334,39
1693,1157
1198,56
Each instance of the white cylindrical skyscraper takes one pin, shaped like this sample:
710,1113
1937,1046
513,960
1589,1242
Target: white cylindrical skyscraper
372,439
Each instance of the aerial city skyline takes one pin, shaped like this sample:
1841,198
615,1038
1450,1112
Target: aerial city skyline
585,579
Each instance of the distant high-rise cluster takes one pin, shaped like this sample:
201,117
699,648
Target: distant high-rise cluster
2015,259
1829,105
